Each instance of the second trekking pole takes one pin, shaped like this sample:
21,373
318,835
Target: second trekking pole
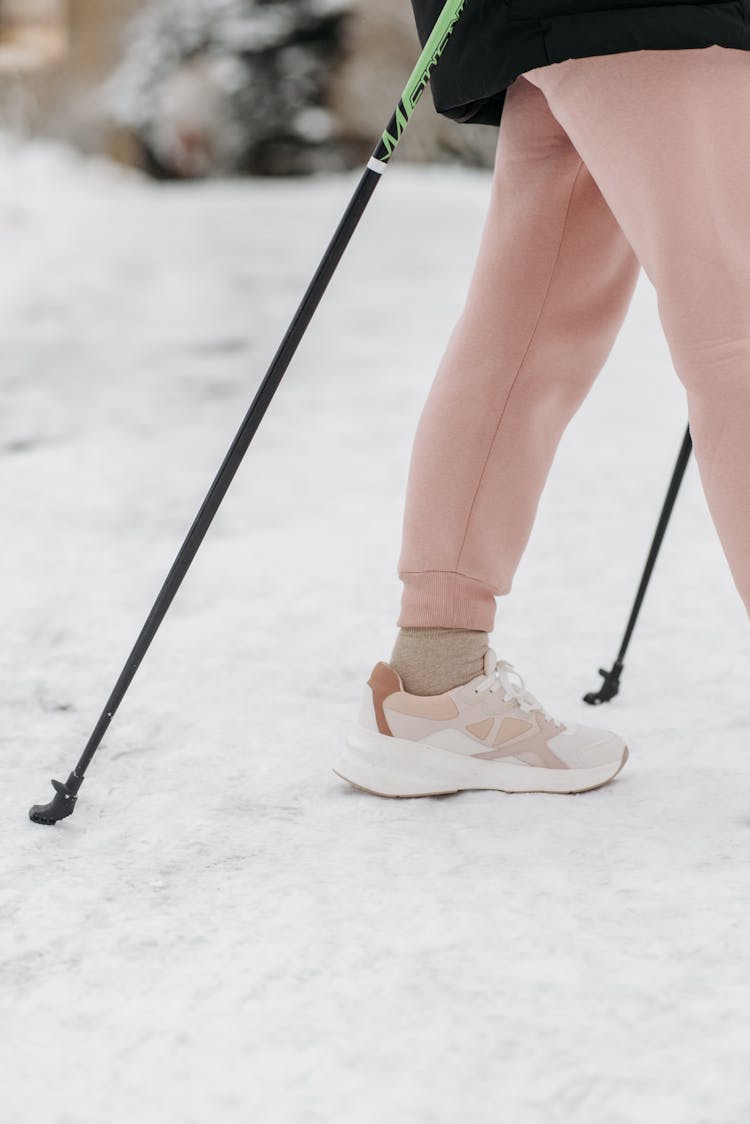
64,801
611,684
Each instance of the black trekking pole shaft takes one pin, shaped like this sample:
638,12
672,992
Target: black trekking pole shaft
611,683
63,803
661,526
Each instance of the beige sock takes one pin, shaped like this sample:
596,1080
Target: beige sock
433,660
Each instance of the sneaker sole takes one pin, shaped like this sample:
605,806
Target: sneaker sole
404,768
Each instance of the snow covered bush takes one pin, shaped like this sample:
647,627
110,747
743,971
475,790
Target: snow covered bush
213,87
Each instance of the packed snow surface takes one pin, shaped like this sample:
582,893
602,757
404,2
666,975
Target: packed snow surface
225,931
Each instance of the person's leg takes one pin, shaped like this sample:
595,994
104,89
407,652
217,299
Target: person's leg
550,290
665,135
551,287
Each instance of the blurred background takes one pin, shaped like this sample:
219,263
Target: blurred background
199,88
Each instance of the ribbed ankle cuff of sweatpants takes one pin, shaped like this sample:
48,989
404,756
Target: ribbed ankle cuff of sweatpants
443,599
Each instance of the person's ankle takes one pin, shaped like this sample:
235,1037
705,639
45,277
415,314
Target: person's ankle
433,660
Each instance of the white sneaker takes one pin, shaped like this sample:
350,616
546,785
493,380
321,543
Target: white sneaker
488,733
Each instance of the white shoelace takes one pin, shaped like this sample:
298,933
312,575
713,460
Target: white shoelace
515,692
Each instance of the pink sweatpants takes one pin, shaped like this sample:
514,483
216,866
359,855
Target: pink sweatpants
604,165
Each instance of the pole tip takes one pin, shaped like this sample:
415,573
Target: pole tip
61,805
609,688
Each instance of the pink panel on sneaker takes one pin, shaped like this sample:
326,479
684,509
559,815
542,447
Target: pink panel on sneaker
481,729
438,707
534,741
511,728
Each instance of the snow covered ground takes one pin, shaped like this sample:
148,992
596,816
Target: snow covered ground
225,930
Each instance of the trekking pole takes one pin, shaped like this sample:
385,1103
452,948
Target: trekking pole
64,800
611,685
